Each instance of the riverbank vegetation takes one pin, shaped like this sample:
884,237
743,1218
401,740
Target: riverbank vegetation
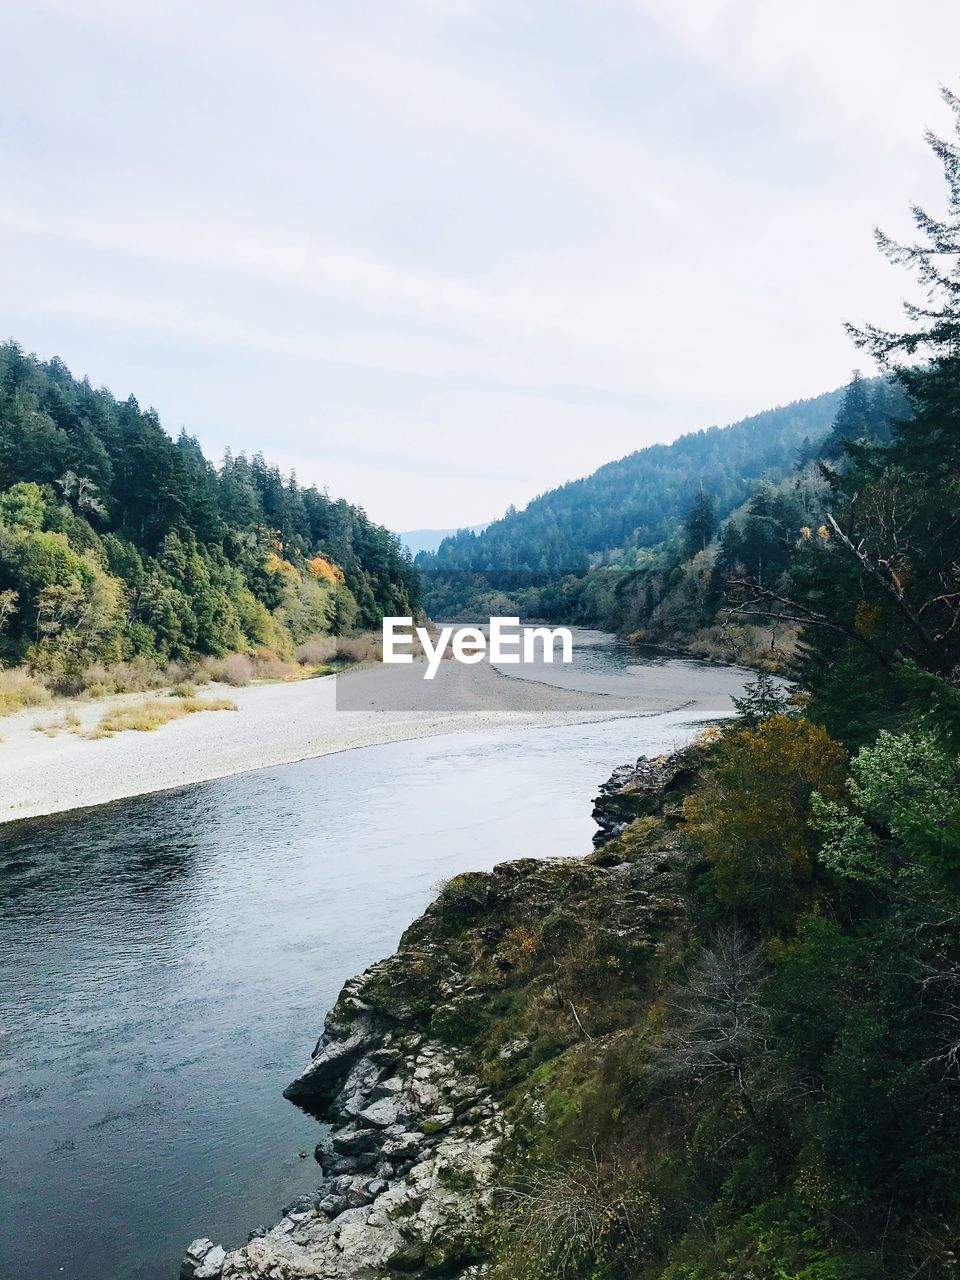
123,550
682,592
729,1043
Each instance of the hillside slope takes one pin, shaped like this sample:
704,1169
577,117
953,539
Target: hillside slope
118,542
639,499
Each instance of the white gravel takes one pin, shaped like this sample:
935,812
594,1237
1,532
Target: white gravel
275,724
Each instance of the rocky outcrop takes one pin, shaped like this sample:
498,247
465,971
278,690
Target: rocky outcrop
407,1162
425,1060
654,785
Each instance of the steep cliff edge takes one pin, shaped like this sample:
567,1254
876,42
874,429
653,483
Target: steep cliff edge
440,1068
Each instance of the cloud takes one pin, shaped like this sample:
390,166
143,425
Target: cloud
458,222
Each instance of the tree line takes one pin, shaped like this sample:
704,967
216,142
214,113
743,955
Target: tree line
786,1103
119,542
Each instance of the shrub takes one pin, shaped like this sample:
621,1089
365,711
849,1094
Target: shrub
235,670
316,652
362,648
750,814
69,722
97,680
267,665
18,688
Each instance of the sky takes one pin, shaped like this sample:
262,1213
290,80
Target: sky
442,255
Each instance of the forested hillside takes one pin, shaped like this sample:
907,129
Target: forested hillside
639,499
729,1044
118,542
688,591
784,1106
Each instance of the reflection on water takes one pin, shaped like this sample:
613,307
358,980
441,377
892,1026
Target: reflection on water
165,964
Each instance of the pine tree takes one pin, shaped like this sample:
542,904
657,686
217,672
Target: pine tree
931,439
763,698
700,523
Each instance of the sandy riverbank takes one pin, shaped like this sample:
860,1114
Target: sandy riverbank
275,724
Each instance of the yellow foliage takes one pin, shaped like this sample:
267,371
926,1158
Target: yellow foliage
69,722
320,567
750,813
708,735
274,564
18,688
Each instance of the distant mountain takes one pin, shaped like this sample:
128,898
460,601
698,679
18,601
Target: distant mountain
417,540
639,500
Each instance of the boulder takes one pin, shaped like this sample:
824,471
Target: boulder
202,1261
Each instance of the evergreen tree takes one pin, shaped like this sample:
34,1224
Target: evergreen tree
700,523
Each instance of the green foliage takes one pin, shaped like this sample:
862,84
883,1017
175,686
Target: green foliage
763,698
635,502
118,542
750,814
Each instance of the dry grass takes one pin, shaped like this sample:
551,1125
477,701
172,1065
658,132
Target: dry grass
18,689
147,716
69,722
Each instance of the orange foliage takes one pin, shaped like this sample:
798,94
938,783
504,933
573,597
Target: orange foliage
320,567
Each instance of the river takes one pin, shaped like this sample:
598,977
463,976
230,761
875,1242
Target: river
166,962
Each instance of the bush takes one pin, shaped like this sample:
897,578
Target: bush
267,665
18,688
235,670
316,652
362,648
98,680
751,814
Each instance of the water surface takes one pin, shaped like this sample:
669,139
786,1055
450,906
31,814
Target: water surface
166,962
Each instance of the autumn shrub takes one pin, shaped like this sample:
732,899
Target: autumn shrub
98,680
315,652
362,648
69,722
268,665
236,670
18,688
750,814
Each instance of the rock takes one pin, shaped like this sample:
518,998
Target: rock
332,1205
302,1204
403,1146
641,790
352,1141
382,1113
202,1261
350,1028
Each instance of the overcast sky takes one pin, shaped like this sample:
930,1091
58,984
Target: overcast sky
440,255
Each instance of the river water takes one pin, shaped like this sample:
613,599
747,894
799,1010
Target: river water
166,962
